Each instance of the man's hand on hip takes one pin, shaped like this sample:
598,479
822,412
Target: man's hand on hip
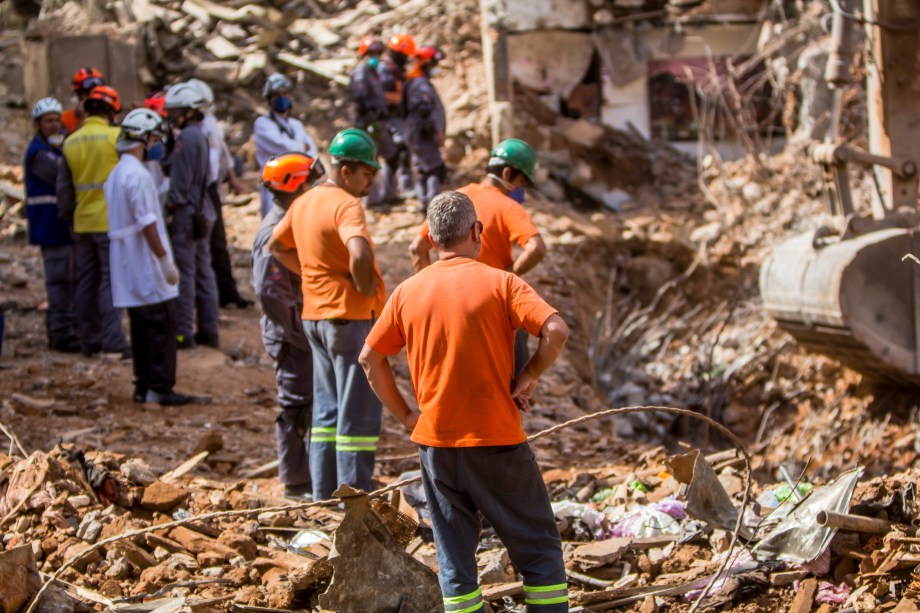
522,389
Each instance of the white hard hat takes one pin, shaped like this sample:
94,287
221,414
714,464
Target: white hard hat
141,123
275,83
45,106
204,88
184,96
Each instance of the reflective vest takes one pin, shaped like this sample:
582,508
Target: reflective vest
45,227
90,154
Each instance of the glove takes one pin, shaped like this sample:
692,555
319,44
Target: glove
169,270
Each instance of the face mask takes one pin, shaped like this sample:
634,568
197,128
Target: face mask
74,100
56,140
517,194
434,71
155,152
281,104
372,62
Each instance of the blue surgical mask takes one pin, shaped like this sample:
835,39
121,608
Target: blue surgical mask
517,194
155,152
281,104
372,62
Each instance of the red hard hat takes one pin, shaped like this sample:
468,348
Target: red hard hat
106,94
430,54
402,43
370,44
156,102
87,78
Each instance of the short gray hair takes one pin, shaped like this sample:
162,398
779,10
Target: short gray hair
450,217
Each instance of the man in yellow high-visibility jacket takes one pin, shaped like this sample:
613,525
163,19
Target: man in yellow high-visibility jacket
89,157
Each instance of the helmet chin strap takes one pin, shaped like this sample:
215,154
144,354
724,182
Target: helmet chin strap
507,186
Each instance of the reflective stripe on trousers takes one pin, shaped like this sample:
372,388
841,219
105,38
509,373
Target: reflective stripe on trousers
546,594
465,603
52,199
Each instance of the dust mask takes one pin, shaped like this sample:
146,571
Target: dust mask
56,140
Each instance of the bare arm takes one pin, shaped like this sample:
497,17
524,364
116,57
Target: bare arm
534,252
420,250
553,337
361,264
153,240
284,254
380,376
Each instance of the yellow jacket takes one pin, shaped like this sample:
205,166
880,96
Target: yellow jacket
90,154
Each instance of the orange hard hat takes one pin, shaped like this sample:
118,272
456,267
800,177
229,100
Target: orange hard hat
402,43
430,54
87,78
370,44
106,94
287,172
156,102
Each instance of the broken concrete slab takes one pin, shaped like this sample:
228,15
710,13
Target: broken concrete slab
371,571
19,578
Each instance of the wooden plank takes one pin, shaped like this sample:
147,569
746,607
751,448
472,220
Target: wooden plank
185,468
805,597
505,589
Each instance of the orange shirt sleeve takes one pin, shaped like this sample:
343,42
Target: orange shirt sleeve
351,222
387,335
284,231
520,226
527,309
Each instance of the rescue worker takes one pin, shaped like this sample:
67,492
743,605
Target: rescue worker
89,157
506,222
324,238
82,84
396,173
144,275
456,319
426,123
220,169
278,132
46,229
278,291
190,218
370,114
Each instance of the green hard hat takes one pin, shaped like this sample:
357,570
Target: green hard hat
354,145
518,154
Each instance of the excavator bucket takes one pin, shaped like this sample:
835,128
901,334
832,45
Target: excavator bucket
854,300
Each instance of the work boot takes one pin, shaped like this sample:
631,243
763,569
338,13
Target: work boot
168,399
68,345
301,493
184,342
208,340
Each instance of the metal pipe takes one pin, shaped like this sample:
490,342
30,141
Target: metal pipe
854,523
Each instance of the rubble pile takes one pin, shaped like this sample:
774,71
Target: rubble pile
653,534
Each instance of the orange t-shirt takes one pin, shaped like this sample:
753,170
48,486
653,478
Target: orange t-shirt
70,120
457,319
504,221
318,225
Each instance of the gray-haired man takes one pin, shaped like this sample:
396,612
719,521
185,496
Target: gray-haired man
457,319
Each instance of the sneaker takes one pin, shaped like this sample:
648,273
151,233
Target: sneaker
301,493
208,340
140,396
168,399
184,342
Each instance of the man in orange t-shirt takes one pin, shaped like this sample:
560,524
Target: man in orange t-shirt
457,319
324,238
498,201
